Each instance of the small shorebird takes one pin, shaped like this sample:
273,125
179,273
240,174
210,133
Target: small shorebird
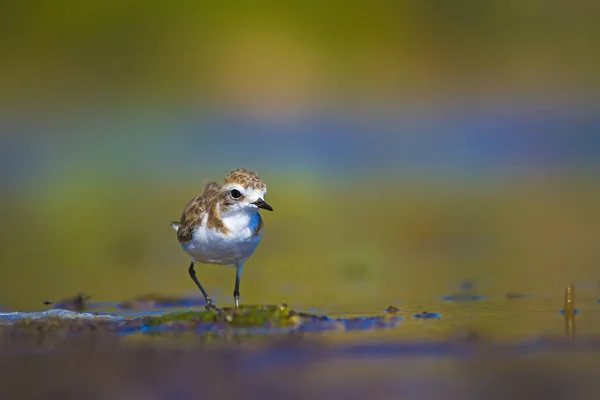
222,225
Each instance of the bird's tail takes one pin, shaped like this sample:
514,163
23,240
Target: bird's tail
175,225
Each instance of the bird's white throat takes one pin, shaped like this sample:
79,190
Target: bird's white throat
238,220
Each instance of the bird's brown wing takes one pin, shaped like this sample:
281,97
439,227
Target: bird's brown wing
197,208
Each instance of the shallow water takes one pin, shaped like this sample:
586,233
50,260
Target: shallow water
511,317
469,346
372,364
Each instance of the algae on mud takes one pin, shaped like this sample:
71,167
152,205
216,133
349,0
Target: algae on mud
267,318
243,317
259,319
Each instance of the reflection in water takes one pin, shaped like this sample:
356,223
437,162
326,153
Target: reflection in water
517,296
467,292
569,311
463,297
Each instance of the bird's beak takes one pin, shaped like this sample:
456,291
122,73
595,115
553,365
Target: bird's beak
260,203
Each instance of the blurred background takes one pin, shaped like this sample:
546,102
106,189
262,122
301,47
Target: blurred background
406,146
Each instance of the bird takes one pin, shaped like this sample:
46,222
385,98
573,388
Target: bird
223,226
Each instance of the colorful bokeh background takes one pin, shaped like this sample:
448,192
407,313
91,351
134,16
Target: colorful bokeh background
407,146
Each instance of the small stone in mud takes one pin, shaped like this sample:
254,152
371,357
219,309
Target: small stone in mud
392,309
427,315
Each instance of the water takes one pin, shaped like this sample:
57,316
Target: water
458,356
509,202
449,317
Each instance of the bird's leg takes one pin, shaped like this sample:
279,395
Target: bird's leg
236,290
209,303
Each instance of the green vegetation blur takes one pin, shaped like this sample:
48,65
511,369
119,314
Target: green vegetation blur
268,56
72,71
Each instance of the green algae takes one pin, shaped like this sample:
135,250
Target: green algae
243,317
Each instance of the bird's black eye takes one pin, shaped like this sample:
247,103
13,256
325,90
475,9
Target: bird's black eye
235,193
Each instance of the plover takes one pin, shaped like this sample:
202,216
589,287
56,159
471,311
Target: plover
222,225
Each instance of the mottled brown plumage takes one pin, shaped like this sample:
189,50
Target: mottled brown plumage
244,177
197,208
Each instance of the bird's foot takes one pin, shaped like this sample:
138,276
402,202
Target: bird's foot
237,301
210,305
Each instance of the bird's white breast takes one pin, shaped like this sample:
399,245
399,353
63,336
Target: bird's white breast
231,248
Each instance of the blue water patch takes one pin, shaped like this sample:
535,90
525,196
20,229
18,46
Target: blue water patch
319,324
427,315
562,312
140,313
367,323
464,297
183,302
